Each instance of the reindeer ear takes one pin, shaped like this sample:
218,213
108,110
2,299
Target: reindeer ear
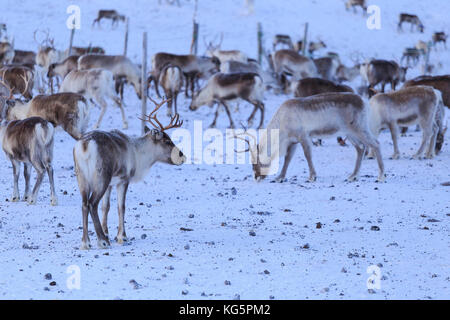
146,129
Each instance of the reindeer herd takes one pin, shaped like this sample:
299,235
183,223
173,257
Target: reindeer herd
323,105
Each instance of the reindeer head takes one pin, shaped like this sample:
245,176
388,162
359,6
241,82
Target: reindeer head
165,148
213,45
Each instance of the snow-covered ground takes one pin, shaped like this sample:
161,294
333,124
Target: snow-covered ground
294,240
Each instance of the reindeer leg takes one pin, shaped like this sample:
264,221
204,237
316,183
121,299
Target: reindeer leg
16,172
360,154
54,199
227,109
175,98
102,240
393,127
213,124
369,141
121,196
40,177
122,111
427,132
26,175
432,147
105,210
306,144
102,112
287,160
261,121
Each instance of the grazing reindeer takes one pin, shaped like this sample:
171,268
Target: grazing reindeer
300,119
414,105
344,73
291,63
171,80
413,54
191,66
383,71
123,160
223,87
314,46
20,79
412,19
440,37
63,68
283,39
120,66
96,84
68,110
29,141
250,67
113,15
79,51
356,3
213,50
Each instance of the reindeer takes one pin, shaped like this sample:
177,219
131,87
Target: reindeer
113,15
298,120
414,105
213,50
118,65
314,46
383,71
250,67
223,87
2,29
68,110
412,19
63,68
356,3
441,83
123,160
79,51
95,84
312,86
171,80
27,58
191,65
327,67
413,54
20,79
284,40
344,73
439,37
29,141
291,63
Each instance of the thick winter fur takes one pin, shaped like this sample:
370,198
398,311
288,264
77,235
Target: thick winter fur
223,87
415,105
20,79
63,68
291,63
6,52
107,159
68,110
383,71
22,57
171,80
120,66
191,65
30,142
312,86
96,84
327,67
283,39
441,83
344,73
300,119
356,3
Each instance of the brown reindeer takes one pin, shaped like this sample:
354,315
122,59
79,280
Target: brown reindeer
440,37
123,160
282,39
112,15
412,19
356,3
62,69
383,71
29,141
68,110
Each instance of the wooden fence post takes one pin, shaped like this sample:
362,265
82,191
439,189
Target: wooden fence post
260,43
305,39
144,82
125,47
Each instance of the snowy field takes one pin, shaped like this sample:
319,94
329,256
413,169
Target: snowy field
210,231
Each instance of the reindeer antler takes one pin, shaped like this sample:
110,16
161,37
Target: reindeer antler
26,80
238,136
10,90
153,120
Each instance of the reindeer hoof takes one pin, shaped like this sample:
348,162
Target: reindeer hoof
312,179
85,245
125,126
395,156
31,201
280,180
14,199
352,178
103,244
25,198
122,240
54,202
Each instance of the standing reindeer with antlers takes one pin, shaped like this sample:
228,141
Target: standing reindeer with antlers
123,160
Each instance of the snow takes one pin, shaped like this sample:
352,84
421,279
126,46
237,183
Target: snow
255,240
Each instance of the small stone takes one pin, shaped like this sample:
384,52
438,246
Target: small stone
233,191
187,247
48,276
266,272
237,297
191,216
184,292
135,284
252,233
318,225
375,228
53,283
227,283
143,236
